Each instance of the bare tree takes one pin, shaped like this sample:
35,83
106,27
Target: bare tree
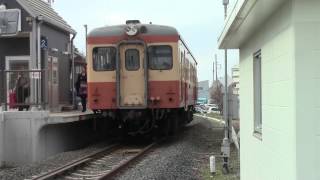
217,95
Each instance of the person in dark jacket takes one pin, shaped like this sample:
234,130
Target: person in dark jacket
22,91
82,88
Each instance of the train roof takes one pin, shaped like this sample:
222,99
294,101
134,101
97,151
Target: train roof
118,30
146,29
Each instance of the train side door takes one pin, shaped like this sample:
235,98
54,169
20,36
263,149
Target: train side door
186,85
132,76
182,85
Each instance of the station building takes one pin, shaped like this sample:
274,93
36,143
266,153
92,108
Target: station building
280,80
36,43
35,39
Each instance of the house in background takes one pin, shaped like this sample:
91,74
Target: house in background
33,37
279,43
79,62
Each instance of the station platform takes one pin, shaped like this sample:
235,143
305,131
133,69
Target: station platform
71,116
30,136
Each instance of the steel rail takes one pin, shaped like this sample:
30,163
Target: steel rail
125,164
108,174
79,162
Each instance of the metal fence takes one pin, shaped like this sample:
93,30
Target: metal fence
22,89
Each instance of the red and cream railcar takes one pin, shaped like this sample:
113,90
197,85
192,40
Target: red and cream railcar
142,76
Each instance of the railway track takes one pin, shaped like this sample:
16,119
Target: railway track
100,165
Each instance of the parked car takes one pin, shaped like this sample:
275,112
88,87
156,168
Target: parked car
199,109
211,105
213,110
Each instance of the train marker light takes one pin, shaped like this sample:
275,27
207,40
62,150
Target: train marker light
132,29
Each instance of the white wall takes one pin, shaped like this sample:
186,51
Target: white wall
307,34
273,157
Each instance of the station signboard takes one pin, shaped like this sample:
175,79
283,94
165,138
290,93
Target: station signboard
35,75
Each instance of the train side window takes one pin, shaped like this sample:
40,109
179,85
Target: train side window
132,60
104,58
160,57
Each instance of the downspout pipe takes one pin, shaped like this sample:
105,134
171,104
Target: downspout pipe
40,19
72,69
38,64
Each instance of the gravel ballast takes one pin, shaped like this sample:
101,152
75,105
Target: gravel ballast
27,171
186,156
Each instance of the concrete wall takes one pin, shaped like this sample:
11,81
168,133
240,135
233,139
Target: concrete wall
27,137
306,19
18,135
273,157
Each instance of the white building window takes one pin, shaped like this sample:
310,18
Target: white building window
257,93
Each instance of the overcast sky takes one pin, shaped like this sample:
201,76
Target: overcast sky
199,22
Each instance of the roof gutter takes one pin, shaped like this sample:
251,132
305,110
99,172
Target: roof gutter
40,21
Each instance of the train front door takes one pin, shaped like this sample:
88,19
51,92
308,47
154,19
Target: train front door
132,85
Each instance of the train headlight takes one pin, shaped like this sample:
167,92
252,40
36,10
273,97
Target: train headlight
132,29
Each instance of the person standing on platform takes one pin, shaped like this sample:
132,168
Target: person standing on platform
82,88
22,91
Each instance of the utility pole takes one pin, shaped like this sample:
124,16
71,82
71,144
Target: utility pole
213,67
225,147
216,59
